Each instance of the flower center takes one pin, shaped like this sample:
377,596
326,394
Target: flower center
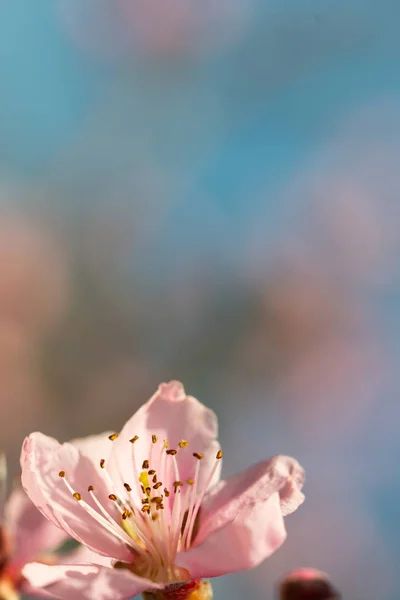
156,515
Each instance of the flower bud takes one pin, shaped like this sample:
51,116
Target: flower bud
307,584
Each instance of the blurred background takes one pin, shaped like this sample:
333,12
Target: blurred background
209,191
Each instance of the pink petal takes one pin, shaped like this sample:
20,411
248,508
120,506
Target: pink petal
94,447
85,582
42,459
31,533
241,544
171,415
281,474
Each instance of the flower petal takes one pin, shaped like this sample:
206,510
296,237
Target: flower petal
31,533
94,447
242,544
170,415
281,474
85,582
42,459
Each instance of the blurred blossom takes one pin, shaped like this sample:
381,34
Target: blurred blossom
111,28
34,294
25,535
347,203
34,281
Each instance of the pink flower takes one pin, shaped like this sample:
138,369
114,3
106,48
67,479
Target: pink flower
24,536
150,500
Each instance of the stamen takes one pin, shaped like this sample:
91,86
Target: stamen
150,526
218,457
108,523
193,490
176,516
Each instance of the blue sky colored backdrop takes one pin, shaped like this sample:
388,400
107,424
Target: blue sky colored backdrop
189,182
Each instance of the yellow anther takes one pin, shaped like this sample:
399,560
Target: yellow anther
219,454
154,480
61,474
166,444
77,496
172,452
154,438
113,436
145,500
148,491
102,463
198,455
126,514
190,481
112,497
134,439
145,464
127,487
90,488
146,508
152,472
157,485
183,444
166,492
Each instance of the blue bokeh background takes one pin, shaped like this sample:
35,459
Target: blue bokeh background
195,193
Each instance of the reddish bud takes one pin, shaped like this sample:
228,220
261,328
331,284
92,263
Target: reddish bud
307,584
